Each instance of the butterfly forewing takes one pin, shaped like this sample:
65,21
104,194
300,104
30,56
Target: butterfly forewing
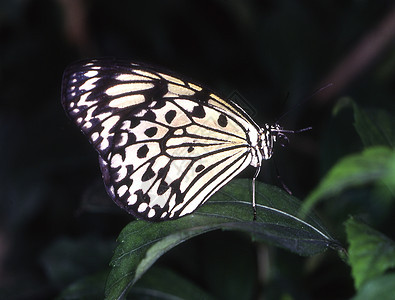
165,144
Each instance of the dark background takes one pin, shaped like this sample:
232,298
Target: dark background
56,222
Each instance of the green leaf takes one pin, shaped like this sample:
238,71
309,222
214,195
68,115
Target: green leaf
142,243
380,288
370,252
374,165
375,127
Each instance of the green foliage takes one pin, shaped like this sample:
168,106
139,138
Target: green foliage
371,253
375,165
142,243
381,287
375,127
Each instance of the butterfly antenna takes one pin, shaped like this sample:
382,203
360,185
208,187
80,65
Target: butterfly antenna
303,129
281,132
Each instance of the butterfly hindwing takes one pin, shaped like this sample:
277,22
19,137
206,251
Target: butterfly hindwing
165,144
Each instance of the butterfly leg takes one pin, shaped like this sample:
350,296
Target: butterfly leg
258,169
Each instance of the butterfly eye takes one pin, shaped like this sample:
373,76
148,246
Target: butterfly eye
282,139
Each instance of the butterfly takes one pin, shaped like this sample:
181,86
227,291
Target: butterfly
165,144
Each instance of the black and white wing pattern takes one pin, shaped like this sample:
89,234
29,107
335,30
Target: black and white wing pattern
165,144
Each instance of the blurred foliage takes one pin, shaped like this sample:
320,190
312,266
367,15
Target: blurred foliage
58,227
371,253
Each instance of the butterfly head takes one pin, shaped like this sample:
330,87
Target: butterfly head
271,134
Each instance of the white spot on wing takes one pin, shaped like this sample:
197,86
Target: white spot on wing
104,144
121,174
91,73
83,102
108,125
188,105
116,161
123,88
148,74
124,139
132,199
142,207
172,79
131,77
160,162
88,125
122,190
95,136
179,132
180,90
89,113
89,84
126,124
195,87
127,101
172,203
153,104
141,113
151,213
